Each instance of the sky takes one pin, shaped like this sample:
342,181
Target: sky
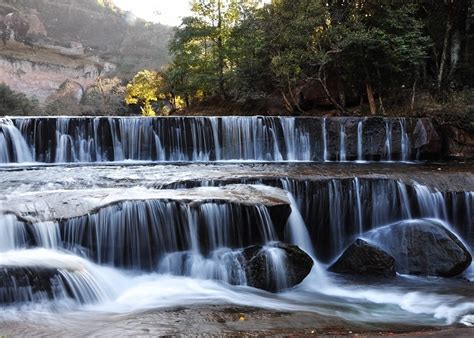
168,12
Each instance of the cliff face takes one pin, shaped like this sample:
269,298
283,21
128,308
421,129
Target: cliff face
46,43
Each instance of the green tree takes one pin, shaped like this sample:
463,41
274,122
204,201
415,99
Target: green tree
14,103
145,88
203,62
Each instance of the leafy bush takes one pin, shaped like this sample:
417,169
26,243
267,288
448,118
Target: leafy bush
14,103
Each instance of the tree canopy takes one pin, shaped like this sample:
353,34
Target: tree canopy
345,51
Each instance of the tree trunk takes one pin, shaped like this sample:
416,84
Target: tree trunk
286,102
413,93
370,97
220,50
379,79
444,53
293,98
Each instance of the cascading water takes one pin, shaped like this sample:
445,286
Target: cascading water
342,144
200,139
136,256
13,147
360,141
388,141
404,141
325,140
66,276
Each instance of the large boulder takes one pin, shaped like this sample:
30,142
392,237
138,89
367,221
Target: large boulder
423,247
276,266
365,259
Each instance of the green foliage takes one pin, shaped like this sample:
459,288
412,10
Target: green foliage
204,48
365,49
145,88
13,103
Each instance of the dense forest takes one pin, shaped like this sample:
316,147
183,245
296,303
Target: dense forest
344,55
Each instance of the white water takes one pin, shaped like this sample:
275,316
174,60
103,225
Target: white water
178,139
360,141
113,291
203,278
342,142
325,140
11,139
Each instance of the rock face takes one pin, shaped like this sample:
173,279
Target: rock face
426,140
275,267
460,143
45,43
365,259
423,247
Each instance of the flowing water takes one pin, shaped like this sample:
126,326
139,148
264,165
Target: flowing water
201,139
127,258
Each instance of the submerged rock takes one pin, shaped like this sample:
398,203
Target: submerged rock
362,258
275,267
20,284
423,247
38,275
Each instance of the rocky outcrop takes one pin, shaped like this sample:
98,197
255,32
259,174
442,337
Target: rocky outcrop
45,43
275,267
42,74
423,247
364,259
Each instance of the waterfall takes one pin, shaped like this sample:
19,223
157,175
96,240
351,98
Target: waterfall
137,234
431,204
360,222
13,233
297,228
335,215
63,275
388,141
47,234
325,141
342,140
360,141
223,264
404,140
13,147
297,141
198,139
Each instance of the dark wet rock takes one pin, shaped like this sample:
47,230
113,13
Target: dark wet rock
426,140
26,284
362,258
423,247
275,267
460,143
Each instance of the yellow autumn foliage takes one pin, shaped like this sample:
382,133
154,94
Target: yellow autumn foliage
144,89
